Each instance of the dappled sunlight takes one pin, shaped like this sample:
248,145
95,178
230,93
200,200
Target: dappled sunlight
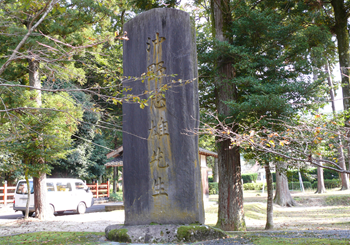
312,212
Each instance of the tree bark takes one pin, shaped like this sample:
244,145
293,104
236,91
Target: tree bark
29,192
117,180
269,209
230,213
34,79
41,206
348,159
282,194
344,176
114,179
342,34
215,171
320,180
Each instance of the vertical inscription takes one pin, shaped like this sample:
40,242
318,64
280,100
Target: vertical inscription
159,150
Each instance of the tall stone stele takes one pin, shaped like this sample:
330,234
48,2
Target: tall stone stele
162,182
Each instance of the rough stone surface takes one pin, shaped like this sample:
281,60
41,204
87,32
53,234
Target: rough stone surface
109,208
162,233
161,163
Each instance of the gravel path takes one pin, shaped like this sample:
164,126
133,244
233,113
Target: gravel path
12,223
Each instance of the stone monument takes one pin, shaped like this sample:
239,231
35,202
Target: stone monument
162,182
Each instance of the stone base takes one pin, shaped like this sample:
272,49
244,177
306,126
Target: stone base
109,208
162,233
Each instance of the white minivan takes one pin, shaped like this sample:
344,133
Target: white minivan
62,195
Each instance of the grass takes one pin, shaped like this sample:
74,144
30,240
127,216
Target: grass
326,211
281,241
55,238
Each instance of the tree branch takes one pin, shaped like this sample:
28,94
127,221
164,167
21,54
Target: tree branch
49,7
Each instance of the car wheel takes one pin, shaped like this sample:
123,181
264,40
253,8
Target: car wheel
81,208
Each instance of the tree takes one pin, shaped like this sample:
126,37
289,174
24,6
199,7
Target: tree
259,73
10,167
282,195
37,136
47,39
335,14
230,213
339,22
269,208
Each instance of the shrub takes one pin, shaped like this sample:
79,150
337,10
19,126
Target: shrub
329,184
213,188
306,175
249,178
296,185
249,186
210,179
256,186
329,174
118,196
259,186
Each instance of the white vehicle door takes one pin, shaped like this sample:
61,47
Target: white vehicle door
21,194
51,197
64,195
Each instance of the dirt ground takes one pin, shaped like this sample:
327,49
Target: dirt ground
70,221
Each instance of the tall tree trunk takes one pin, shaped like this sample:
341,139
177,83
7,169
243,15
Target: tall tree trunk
231,212
344,176
117,179
115,169
348,158
320,180
215,171
34,79
341,158
29,192
269,209
41,208
282,194
42,211
342,34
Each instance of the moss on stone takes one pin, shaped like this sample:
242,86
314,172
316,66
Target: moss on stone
192,233
119,235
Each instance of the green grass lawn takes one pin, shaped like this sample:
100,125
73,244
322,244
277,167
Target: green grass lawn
55,238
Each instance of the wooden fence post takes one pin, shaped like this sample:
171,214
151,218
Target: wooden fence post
5,193
107,188
96,189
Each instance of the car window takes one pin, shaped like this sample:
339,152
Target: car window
22,188
50,187
79,186
63,186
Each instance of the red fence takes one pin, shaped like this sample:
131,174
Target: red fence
99,190
7,194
